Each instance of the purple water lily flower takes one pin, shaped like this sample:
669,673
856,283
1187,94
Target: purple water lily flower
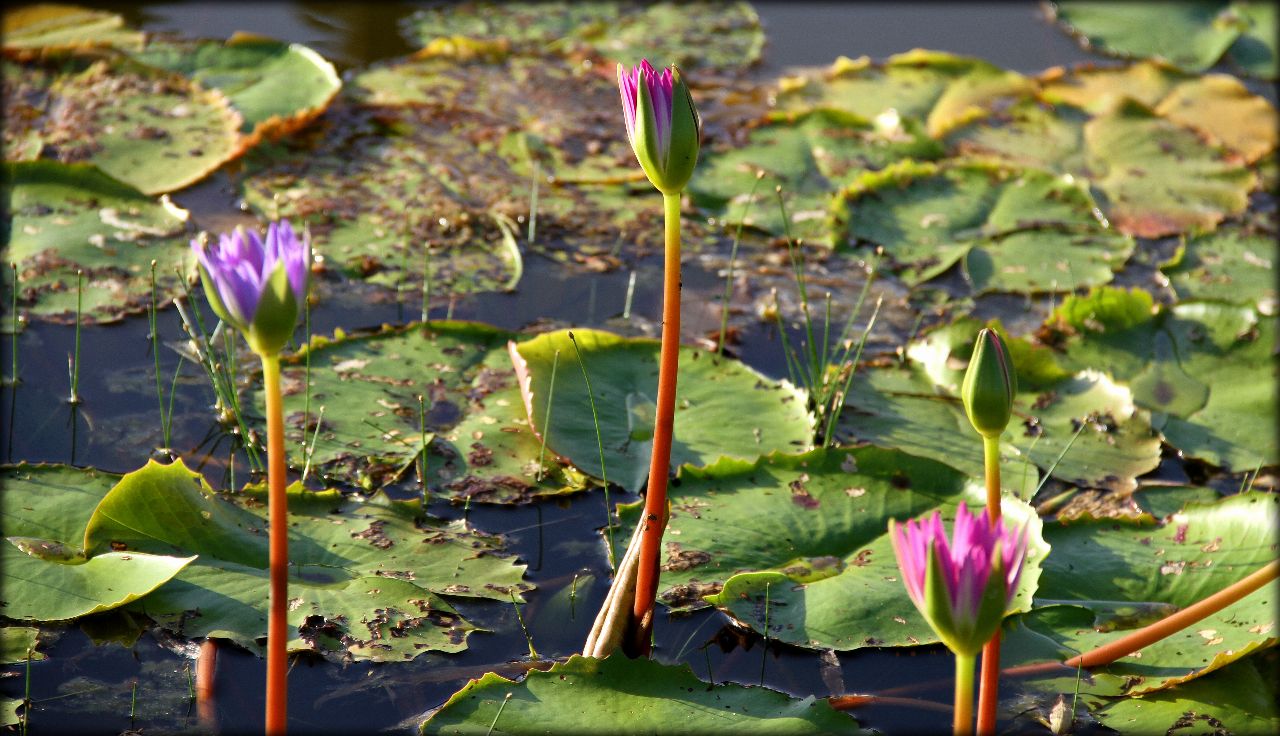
254,284
663,126
962,587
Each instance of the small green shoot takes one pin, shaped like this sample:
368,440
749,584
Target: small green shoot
506,699
604,474
533,653
733,259
546,417
764,651
73,365
631,292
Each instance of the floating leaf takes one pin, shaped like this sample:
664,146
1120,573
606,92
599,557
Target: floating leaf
1234,699
1107,576
1206,369
48,27
17,643
1189,35
1256,50
628,696
939,89
277,87
1216,105
1152,176
1014,230
812,533
149,128
73,217
1229,265
916,408
365,575
810,156
691,34
723,408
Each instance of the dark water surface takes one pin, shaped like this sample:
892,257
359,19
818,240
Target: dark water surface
84,687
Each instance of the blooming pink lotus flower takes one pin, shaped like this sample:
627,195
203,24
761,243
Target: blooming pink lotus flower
255,285
662,124
964,586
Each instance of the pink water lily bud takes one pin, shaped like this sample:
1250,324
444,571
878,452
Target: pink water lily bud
256,285
962,587
662,124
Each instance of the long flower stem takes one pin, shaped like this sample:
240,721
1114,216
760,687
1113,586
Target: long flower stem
278,524
962,724
655,501
989,687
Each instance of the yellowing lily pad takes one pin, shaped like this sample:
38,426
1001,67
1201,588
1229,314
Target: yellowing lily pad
50,26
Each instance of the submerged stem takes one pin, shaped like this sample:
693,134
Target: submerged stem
655,502
278,526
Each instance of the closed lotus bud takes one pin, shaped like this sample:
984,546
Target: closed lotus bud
254,285
989,385
962,587
662,124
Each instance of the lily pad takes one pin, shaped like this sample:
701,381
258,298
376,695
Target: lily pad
691,34
1204,370
915,407
1107,576
1152,176
938,89
1256,51
1234,699
1229,265
47,575
814,528
723,408
1189,35
1012,229
628,696
365,575
48,26
811,156
149,128
277,87
17,643
1216,105
72,217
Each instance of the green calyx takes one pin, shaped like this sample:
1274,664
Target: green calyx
275,317
989,385
968,624
668,167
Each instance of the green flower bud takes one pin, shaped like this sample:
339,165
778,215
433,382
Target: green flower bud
989,385
662,124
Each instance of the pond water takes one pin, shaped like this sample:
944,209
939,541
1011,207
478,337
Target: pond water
85,686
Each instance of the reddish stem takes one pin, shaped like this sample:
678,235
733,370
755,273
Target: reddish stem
278,537
206,669
655,501
989,677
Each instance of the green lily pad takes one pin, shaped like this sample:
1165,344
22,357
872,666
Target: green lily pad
1234,699
1151,176
628,696
1012,229
72,217
811,156
17,643
49,26
1256,51
915,407
1229,265
723,408
1205,370
1107,576
277,87
46,573
1216,105
149,128
365,575
1189,35
814,528
938,89
691,34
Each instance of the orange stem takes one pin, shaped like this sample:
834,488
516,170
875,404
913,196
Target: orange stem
655,501
206,669
989,678
278,537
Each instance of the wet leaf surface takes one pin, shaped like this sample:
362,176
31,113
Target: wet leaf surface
1190,35
365,575
723,408
629,696
1231,265
1234,699
692,34
149,128
1011,229
73,217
